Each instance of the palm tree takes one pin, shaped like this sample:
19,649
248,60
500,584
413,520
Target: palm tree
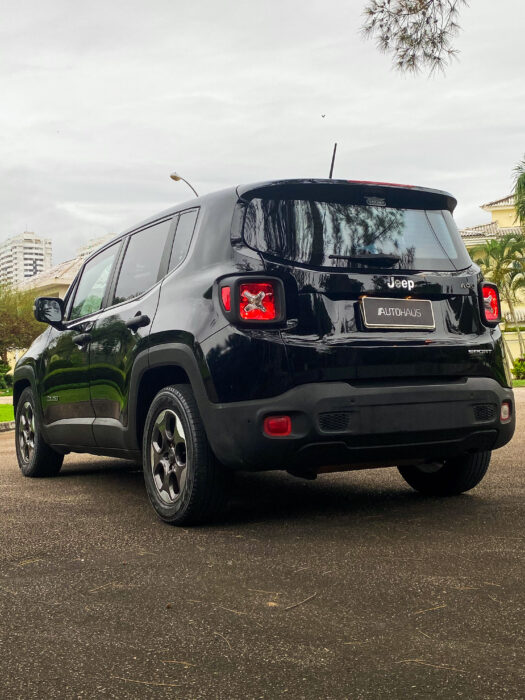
519,191
502,261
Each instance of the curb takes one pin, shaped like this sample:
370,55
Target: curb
9,425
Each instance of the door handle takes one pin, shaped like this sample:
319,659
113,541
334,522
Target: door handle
82,339
138,321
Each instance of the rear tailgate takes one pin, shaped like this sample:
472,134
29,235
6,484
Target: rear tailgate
327,242
327,338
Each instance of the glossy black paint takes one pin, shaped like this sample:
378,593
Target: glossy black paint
93,395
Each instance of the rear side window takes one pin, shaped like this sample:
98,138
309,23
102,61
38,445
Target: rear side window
444,225
93,282
335,234
183,236
141,265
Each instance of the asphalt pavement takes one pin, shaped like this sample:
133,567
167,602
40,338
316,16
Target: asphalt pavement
350,586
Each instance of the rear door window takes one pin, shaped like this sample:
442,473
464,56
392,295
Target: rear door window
142,260
335,234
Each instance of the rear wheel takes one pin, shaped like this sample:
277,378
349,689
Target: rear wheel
185,482
35,457
454,476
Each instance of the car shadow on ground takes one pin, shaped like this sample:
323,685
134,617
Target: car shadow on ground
109,467
261,497
275,496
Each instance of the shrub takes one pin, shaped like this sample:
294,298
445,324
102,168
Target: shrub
4,368
519,368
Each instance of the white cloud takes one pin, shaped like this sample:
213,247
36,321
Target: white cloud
100,101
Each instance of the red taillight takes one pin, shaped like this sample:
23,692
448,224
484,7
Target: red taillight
257,301
279,426
252,300
491,305
226,298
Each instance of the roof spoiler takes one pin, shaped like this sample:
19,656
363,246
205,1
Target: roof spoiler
352,192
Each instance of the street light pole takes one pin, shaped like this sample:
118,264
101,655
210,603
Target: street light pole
177,177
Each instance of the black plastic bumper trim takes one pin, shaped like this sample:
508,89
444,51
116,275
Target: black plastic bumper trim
387,422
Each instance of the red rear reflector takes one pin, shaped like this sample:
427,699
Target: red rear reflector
278,425
506,412
226,298
257,301
491,305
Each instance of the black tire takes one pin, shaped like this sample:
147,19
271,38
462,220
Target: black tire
36,458
184,481
455,476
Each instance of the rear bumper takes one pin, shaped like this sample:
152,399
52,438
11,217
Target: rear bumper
336,423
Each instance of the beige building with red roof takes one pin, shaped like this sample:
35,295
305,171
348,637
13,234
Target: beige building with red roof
56,281
504,221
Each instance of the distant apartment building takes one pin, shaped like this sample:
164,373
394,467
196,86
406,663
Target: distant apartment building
24,256
55,281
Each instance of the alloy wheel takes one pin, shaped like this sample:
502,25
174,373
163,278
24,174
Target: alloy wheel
26,431
168,457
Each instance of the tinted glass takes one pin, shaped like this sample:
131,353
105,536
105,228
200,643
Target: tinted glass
141,264
183,236
309,232
447,232
92,286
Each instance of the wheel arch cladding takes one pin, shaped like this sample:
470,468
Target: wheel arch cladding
18,388
152,381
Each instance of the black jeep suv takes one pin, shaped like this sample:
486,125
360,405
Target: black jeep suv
306,325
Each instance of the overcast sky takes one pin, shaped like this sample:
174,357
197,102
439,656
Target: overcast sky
101,100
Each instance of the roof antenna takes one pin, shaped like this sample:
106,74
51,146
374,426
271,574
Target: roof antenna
333,161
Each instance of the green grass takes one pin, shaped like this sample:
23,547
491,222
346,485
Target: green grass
6,413
6,392
518,382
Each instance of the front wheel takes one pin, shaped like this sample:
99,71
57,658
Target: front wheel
185,482
449,478
35,457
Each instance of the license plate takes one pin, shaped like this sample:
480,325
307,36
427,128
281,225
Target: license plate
397,313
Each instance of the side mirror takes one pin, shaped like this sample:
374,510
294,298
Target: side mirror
49,310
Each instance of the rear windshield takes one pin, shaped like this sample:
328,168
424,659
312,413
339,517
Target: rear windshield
334,234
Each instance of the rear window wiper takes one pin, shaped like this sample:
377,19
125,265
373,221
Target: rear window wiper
370,259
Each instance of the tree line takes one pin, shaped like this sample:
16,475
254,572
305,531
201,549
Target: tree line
18,326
